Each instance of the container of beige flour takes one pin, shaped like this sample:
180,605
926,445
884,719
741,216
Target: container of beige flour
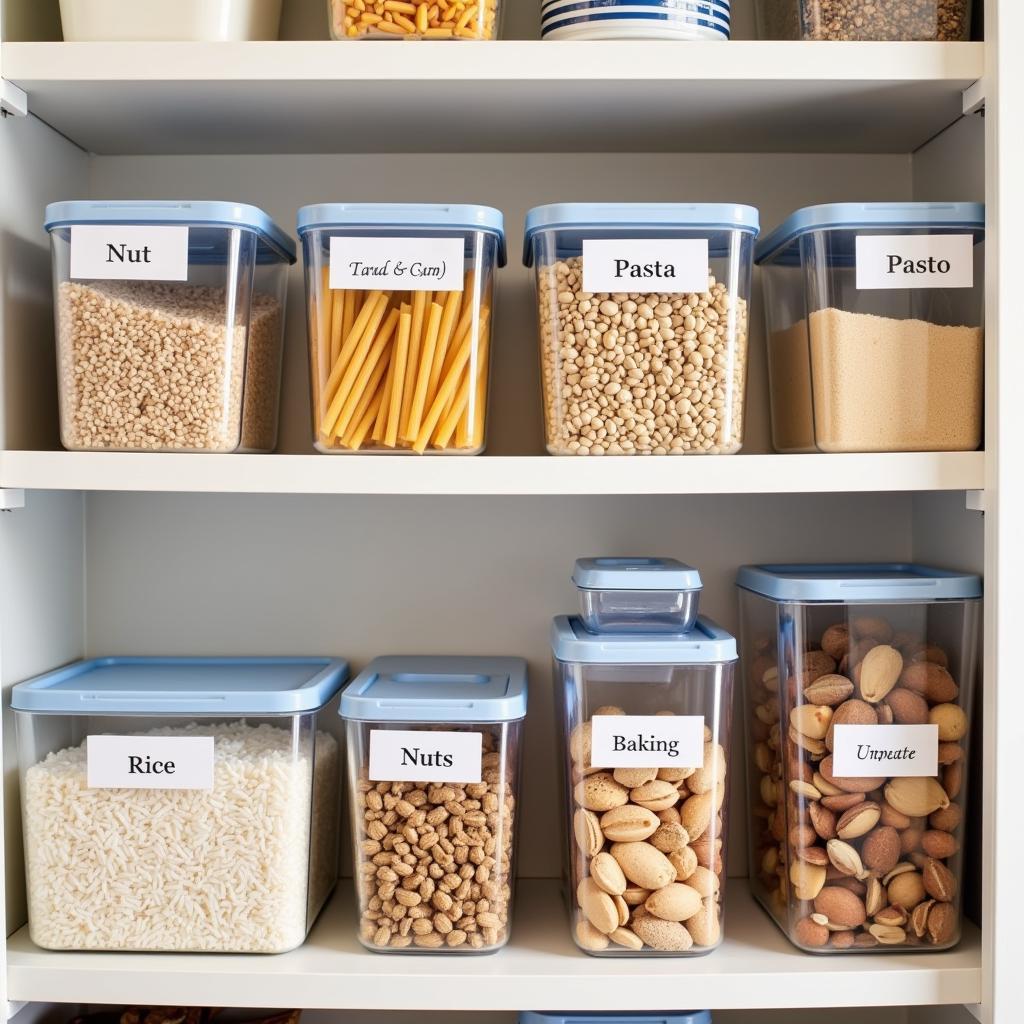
875,327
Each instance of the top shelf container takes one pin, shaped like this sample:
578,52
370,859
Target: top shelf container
945,21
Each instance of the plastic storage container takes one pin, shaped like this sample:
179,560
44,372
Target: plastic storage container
637,595
401,301
679,1017
179,804
210,21
680,20
859,684
875,336
434,750
646,721
170,322
937,20
643,325
420,19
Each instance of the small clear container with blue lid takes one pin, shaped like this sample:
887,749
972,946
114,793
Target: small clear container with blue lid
434,768
170,325
179,804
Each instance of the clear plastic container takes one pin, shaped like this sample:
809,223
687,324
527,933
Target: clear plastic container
434,759
179,804
418,19
646,723
170,325
875,327
637,595
643,325
859,684
678,1017
208,21
400,300
935,20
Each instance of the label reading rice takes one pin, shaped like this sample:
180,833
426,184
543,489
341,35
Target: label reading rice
127,252
402,264
149,762
915,261
669,265
647,741
866,751
401,756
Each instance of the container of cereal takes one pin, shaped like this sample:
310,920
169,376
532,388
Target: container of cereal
434,751
170,323
859,684
207,21
646,722
946,21
400,301
875,327
179,804
415,19
643,325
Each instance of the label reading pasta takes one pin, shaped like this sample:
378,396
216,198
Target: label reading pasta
149,762
915,261
669,265
127,252
647,741
411,755
866,751
400,264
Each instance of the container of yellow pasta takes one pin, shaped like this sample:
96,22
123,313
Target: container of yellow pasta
414,19
400,301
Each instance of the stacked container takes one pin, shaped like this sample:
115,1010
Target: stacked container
678,20
207,21
946,21
415,19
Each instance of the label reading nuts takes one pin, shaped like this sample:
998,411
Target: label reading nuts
149,762
398,755
865,751
915,261
402,264
666,265
129,252
647,741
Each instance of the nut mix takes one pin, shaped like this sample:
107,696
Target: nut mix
940,20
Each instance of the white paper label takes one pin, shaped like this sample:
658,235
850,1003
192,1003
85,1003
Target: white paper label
149,762
126,252
915,261
400,756
668,265
865,751
647,741
402,264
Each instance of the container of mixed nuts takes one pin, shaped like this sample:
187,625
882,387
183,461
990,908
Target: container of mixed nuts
936,20
858,683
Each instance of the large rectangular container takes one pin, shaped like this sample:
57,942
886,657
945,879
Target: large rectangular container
946,21
415,19
207,21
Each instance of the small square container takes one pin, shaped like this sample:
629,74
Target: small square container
206,21
170,324
401,301
875,315
179,804
637,595
434,756
946,21
645,726
643,325
418,19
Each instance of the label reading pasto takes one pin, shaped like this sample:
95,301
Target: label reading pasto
128,252
398,756
647,741
668,265
149,762
397,264
915,261
867,751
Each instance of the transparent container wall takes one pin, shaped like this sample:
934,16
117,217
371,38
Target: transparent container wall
416,19
638,372
868,369
434,861
645,845
638,611
399,371
936,20
244,867
208,21
172,366
857,863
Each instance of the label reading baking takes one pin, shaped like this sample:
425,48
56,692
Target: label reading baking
404,756
129,252
149,762
402,264
915,261
667,265
647,741
866,751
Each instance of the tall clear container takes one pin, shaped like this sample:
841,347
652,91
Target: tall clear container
947,21
415,19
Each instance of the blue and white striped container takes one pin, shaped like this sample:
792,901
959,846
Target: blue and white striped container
635,19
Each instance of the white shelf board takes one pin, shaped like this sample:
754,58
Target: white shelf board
506,96
535,475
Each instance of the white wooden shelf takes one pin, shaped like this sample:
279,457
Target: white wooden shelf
507,96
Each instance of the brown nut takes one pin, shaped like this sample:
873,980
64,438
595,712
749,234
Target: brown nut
881,850
841,907
908,708
851,712
951,720
939,844
943,924
931,681
939,881
859,820
848,785
810,934
830,690
629,823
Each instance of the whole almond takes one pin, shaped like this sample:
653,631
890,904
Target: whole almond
850,785
894,818
851,712
635,895
879,672
811,720
656,795
810,934
906,890
633,777
712,773
910,840
873,627
589,937
675,775
842,803
841,906
695,814
685,862
804,790
670,838
919,918
709,855
624,937
674,902
666,936
943,924
842,940
629,824
643,865
947,819
939,881
908,707
597,906
826,789
705,881
939,844
835,641
916,796
580,744
601,792
829,690
859,820
950,753
823,821
669,816
931,681
705,927
845,858
587,829
605,871
881,850
953,779
814,665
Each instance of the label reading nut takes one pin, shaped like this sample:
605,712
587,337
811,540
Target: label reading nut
647,741
866,751
129,252
149,762
398,755
915,261
669,265
401,264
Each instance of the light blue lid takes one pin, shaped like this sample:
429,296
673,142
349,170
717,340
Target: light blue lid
184,686
437,689
405,216
676,1017
203,214
706,644
634,574
885,582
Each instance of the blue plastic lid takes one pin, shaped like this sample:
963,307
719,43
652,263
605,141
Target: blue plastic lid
271,239
437,689
886,582
706,644
676,1017
634,574
405,216
184,686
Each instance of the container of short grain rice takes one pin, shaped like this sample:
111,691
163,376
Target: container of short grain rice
179,804
875,327
170,323
643,325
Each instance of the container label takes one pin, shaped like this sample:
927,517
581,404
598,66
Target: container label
915,261
866,751
415,755
401,264
647,741
668,265
127,252
149,762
